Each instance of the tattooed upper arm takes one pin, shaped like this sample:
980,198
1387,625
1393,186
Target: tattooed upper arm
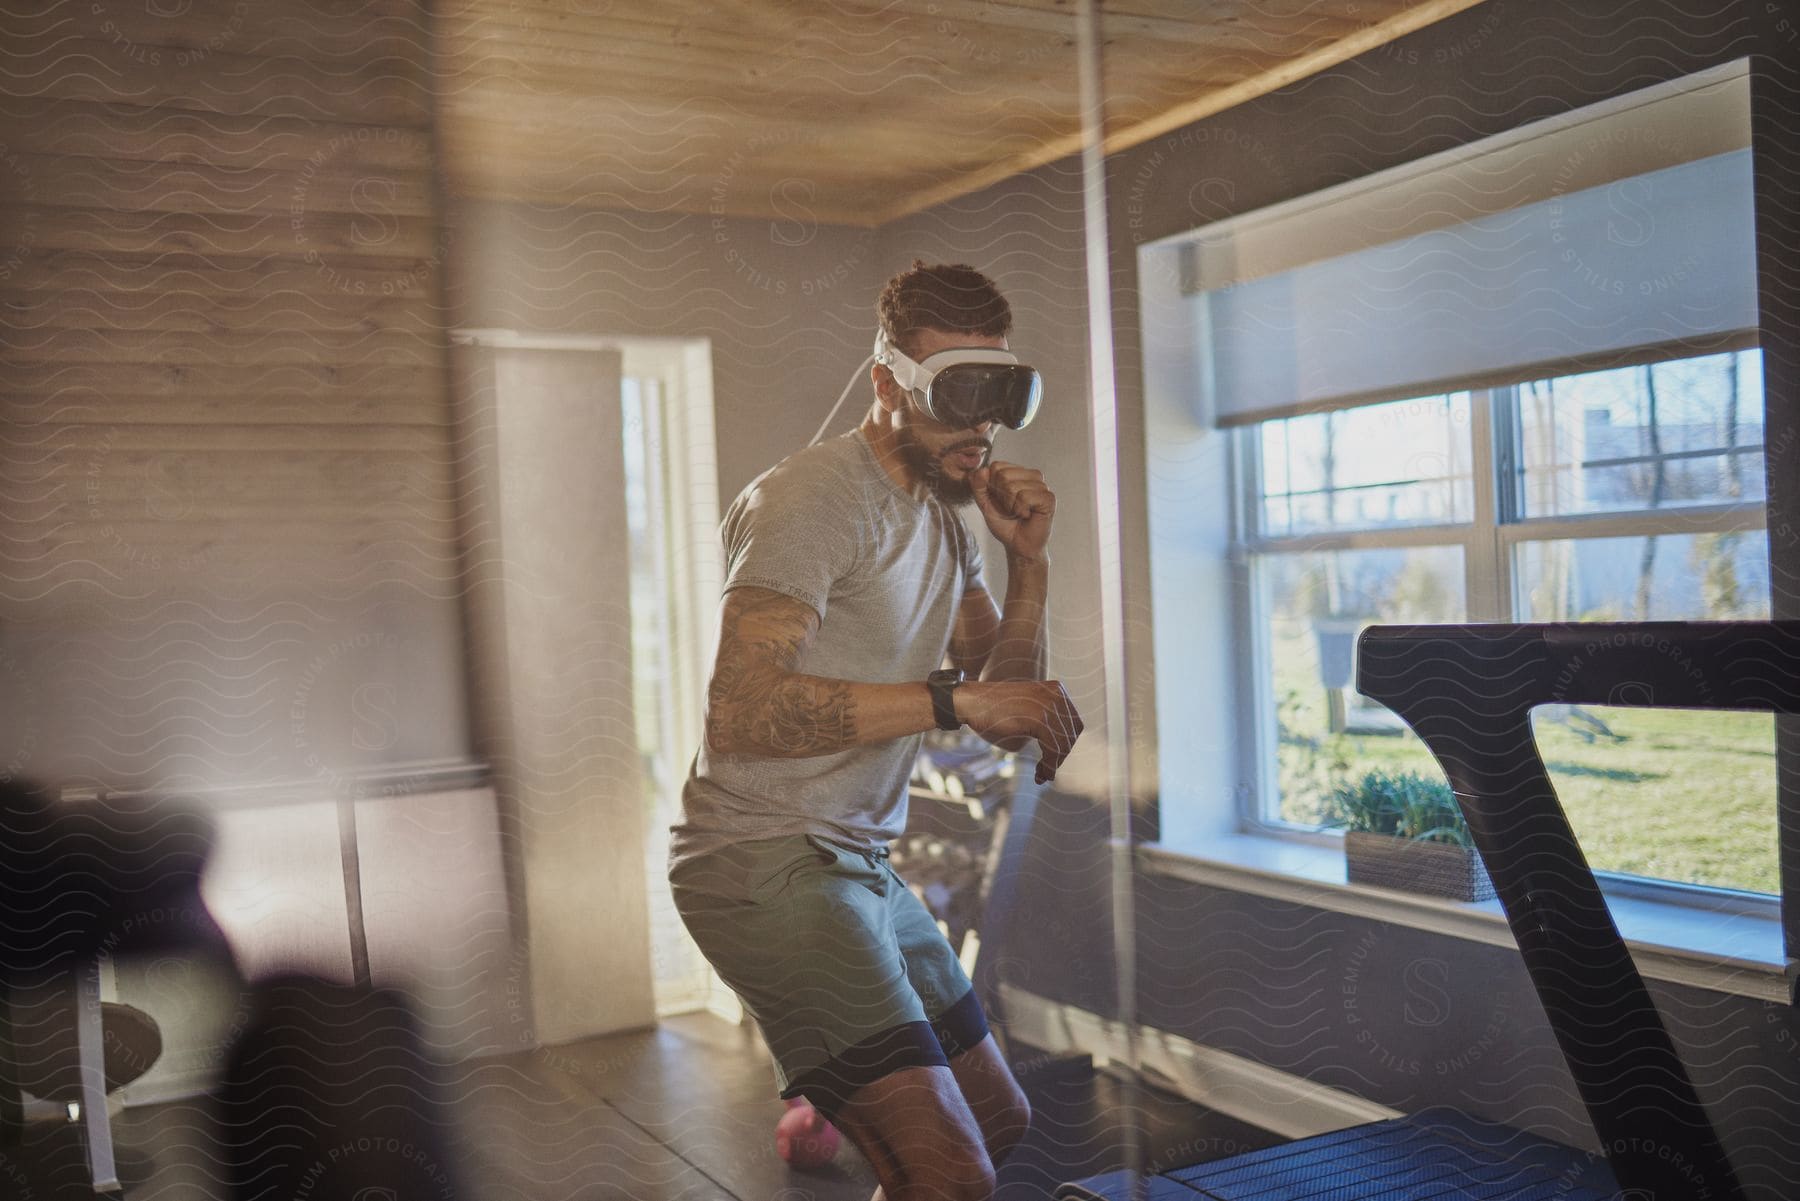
761,625
757,704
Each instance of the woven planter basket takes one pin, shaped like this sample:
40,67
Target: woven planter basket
1436,869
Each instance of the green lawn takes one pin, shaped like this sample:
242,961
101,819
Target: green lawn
1680,795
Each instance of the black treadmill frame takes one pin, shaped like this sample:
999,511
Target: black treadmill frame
1468,692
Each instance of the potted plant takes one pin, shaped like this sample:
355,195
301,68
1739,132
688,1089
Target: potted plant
1403,830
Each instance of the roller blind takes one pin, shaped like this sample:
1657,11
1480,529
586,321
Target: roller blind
1620,234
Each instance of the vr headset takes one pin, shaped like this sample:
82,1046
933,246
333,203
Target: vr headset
966,386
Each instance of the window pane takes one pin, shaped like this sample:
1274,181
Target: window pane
1666,793
1317,605
1658,436
1378,466
1661,577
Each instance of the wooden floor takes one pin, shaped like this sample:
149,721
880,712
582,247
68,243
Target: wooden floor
687,1111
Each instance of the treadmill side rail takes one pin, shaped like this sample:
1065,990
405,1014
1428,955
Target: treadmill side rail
1468,692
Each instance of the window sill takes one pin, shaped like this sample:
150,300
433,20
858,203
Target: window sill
1703,948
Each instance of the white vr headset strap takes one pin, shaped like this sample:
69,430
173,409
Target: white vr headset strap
908,374
842,397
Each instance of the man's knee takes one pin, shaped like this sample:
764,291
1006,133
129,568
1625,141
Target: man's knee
995,1097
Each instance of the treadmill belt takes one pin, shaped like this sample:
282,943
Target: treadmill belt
1435,1155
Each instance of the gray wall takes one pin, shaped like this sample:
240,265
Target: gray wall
789,307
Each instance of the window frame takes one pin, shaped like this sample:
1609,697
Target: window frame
1489,541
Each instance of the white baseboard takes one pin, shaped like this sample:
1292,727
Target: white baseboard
1284,1104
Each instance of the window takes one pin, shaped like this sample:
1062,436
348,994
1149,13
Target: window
1632,494
1318,602
1515,381
1378,466
1658,436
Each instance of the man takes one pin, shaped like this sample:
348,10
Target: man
850,575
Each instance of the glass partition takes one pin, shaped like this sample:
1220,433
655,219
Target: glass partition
403,393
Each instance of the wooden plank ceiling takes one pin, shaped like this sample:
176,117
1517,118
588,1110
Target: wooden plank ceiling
856,111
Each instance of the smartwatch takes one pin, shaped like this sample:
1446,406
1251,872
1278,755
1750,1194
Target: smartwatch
943,697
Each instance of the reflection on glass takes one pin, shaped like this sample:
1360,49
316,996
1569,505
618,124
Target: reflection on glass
1666,793
1662,435
1317,603
1397,464
1657,577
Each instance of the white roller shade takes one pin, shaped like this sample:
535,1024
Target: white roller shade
1615,235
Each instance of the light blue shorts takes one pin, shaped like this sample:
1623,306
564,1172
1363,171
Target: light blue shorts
842,967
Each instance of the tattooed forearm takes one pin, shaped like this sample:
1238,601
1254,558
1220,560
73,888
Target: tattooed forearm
757,704
798,716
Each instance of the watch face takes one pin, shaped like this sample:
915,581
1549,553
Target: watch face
943,707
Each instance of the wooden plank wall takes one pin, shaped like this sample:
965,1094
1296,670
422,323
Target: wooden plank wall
227,503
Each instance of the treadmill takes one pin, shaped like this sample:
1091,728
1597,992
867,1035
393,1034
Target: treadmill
1468,692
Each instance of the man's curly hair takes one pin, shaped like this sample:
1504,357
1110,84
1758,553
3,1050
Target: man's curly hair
948,296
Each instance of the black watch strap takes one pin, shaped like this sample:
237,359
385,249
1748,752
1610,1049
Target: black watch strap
943,697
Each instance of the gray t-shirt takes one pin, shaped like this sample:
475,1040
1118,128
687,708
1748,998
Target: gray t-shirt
886,572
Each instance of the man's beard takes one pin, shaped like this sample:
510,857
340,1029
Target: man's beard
929,467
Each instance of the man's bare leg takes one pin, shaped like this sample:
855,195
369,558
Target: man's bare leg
994,1097
919,1135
